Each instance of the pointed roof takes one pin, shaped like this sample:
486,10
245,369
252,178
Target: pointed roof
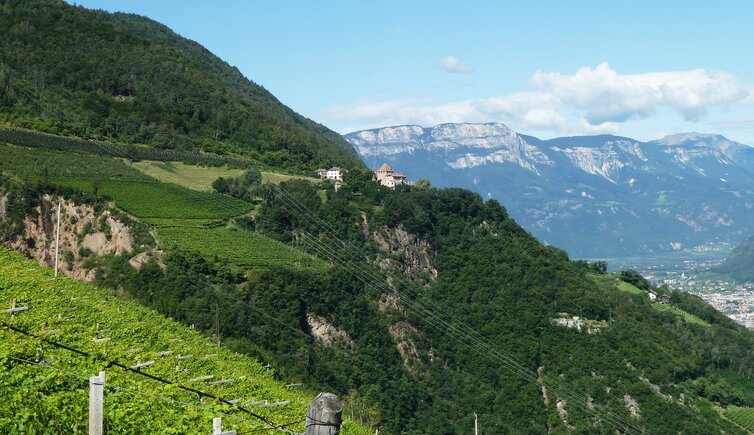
385,168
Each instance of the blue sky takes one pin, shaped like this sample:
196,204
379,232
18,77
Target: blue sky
547,68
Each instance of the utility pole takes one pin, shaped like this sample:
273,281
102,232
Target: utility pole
476,425
217,324
611,317
96,389
57,240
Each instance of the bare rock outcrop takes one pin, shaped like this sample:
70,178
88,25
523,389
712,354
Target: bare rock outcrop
414,252
3,205
83,232
404,335
326,331
632,406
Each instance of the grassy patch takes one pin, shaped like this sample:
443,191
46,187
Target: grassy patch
201,177
277,178
630,288
191,176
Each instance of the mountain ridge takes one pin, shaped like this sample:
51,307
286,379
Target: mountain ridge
697,186
125,78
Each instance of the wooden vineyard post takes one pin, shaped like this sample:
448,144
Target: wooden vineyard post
96,393
324,415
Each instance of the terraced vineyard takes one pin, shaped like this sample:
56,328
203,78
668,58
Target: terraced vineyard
189,216
36,139
90,319
688,317
242,248
742,416
36,163
148,200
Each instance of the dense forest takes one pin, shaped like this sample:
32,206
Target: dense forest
125,78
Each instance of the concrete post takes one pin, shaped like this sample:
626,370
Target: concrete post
324,415
96,394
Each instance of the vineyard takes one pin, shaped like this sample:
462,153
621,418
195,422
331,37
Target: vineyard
162,200
34,163
192,220
242,248
35,139
742,416
688,317
51,395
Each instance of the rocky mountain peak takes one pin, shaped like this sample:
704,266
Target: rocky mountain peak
694,186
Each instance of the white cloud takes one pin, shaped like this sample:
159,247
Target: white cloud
524,110
452,65
604,95
593,100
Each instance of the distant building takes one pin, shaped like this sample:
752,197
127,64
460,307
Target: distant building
334,173
387,177
664,299
652,295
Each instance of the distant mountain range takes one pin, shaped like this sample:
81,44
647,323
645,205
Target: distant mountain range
595,196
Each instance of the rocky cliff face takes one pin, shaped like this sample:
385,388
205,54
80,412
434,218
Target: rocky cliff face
84,233
325,331
412,251
594,196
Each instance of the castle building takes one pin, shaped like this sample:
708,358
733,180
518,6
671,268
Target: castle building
386,176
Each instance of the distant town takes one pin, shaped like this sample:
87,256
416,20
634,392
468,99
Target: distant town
691,271
733,299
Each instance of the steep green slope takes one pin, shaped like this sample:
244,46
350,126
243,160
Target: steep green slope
740,262
72,71
45,388
415,305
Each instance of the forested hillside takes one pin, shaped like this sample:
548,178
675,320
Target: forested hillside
414,305
740,262
77,72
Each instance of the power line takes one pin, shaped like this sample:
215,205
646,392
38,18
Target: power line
477,342
111,363
117,389
461,332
